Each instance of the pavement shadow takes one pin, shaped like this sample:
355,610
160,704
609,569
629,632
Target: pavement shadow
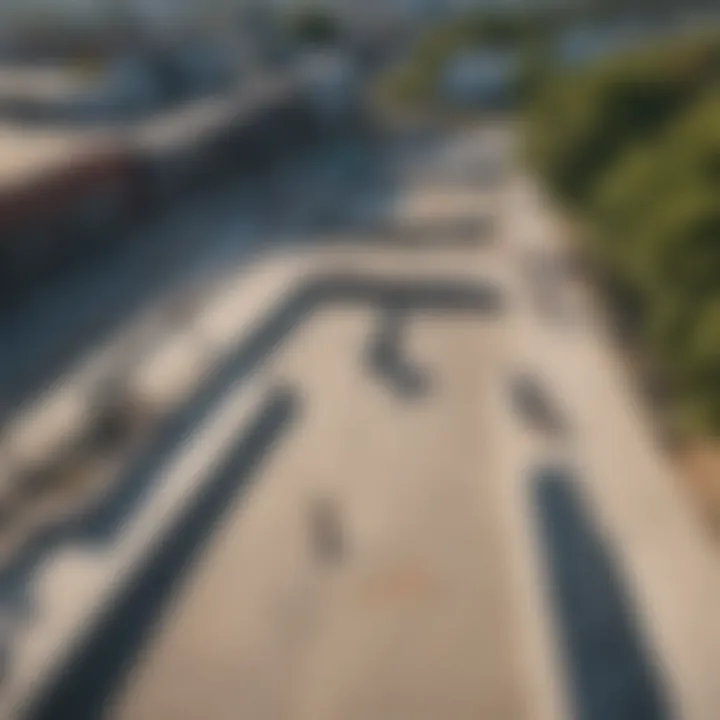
456,233
428,295
83,307
101,523
535,407
327,534
80,307
154,272
387,361
611,670
97,668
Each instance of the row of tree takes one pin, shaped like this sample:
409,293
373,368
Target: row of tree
633,145
528,34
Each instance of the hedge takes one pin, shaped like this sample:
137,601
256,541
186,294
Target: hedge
634,146
583,121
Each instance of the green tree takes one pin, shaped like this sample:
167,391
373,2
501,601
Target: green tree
313,26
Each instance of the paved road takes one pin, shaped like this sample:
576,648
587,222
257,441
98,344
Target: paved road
447,505
341,585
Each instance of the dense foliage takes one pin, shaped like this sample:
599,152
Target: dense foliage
634,146
313,26
415,83
585,120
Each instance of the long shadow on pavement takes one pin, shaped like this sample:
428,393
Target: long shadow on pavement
82,307
101,523
612,673
98,666
457,233
388,360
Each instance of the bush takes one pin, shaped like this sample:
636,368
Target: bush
586,120
415,83
657,208
314,26
635,146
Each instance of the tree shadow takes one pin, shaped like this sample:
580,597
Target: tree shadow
101,523
84,305
80,304
98,666
387,361
611,670
535,406
470,232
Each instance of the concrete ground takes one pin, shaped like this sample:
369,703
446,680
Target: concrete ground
403,619
453,510
363,574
